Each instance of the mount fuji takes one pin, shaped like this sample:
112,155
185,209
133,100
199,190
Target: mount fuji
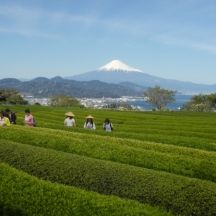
117,65
119,72
113,72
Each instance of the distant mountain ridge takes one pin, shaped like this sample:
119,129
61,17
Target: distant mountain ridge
44,87
118,72
114,79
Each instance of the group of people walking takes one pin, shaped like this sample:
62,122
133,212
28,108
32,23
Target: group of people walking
89,122
7,117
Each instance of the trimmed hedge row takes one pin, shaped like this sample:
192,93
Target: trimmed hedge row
199,164
14,133
41,198
140,125
142,122
185,132
132,130
193,140
184,196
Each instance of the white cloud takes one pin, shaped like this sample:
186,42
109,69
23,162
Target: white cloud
14,13
29,33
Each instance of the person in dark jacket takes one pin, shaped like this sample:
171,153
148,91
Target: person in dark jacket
11,115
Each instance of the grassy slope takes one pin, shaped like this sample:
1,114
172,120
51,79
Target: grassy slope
184,129
175,142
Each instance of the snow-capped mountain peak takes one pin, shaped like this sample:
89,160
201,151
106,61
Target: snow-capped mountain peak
117,65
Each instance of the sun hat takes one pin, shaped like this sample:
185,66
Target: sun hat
70,114
89,117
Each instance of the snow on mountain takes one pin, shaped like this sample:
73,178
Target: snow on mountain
118,72
117,65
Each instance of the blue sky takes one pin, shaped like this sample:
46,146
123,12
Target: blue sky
173,39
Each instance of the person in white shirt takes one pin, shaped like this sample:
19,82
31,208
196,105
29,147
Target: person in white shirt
69,120
107,126
89,123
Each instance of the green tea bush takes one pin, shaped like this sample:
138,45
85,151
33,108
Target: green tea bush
41,198
9,211
181,195
198,164
185,129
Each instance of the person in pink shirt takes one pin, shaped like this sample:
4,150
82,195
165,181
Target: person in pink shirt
29,119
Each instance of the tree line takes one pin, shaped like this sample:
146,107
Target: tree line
158,97
11,96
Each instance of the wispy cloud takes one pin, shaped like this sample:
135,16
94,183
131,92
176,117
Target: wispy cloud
14,12
29,33
205,47
160,27
30,22
202,45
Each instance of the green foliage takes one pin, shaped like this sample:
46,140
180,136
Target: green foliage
42,198
64,101
176,128
191,163
201,103
166,143
159,97
181,195
119,106
11,96
9,211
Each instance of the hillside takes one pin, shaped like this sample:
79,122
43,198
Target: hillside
44,87
159,161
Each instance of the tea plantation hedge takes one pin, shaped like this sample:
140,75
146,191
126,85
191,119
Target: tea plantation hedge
181,195
199,164
162,159
196,130
9,211
41,198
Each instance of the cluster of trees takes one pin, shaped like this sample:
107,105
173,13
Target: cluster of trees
119,105
64,101
201,103
11,96
159,97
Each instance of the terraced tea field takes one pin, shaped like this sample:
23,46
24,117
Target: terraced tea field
151,164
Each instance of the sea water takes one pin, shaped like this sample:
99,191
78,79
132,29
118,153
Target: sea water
180,100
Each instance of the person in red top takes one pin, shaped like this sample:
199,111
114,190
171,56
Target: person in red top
29,119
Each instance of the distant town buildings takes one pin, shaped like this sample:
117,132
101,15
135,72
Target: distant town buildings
116,103
33,100
97,103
